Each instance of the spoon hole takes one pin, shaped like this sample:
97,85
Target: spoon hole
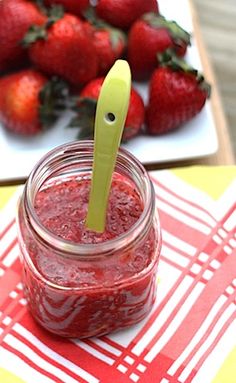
110,117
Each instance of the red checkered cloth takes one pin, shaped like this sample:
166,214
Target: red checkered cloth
191,330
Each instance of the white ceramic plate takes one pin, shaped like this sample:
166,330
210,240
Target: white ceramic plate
194,139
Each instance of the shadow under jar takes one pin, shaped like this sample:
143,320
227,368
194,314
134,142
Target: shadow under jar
79,283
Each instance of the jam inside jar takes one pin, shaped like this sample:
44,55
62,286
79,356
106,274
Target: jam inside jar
79,283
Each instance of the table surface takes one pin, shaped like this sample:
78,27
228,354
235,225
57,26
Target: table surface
225,153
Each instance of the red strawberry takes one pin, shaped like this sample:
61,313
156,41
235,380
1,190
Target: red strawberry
150,35
92,89
76,7
86,108
122,13
135,116
16,16
27,101
177,93
110,44
64,48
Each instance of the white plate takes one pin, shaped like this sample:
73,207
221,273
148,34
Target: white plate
194,139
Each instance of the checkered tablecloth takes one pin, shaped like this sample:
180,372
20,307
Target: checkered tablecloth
190,336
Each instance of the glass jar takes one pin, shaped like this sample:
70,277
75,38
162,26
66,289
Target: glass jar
87,289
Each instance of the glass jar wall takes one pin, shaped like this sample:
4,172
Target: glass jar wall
79,283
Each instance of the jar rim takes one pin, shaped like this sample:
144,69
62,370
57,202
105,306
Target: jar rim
77,249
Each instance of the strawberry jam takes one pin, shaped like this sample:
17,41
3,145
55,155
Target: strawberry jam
62,209
80,283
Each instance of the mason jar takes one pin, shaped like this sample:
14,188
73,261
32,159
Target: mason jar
78,283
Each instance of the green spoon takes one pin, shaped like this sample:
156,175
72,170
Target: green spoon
112,107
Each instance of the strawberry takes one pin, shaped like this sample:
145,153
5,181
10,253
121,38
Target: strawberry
154,34
16,16
177,93
109,42
122,13
76,7
86,107
135,116
110,45
28,101
64,47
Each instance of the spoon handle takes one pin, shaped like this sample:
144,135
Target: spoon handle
111,112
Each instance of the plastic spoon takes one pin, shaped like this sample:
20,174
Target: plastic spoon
112,107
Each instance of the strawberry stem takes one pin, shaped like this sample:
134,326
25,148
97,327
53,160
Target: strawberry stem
55,13
52,98
90,15
169,59
115,34
36,32
85,109
178,34
41,6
